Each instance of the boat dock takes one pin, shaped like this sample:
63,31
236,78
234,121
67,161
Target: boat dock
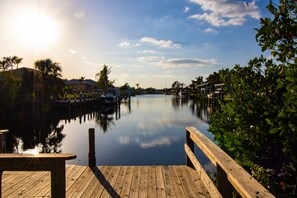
109,181
46,175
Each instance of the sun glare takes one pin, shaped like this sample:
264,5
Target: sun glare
34,29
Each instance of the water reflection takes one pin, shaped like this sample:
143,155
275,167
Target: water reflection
201,110
33,131
149,130
105,119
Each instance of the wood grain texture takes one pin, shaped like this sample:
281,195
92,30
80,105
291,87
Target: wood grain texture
109,181
240,179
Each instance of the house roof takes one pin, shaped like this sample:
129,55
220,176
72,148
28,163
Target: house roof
203,84
75,81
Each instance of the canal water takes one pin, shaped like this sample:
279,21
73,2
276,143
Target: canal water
148,130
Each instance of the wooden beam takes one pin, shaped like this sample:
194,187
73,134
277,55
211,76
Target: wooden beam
190,144
241,180
92,155
201,172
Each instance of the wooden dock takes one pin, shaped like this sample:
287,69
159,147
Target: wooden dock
109,181
46,175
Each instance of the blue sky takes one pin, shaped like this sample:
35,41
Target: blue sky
150,42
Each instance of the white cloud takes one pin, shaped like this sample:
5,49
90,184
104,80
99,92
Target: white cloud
186,9
226,13
158,142
178,62
162,76
79,14
210,30
125,44
148,52
160,43
92,63
151,59
124,140
187,63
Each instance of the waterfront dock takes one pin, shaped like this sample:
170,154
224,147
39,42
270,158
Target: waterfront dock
109,181
46,175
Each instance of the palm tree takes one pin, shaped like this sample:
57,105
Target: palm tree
56,70
51,74
103,81
6,63
44,66
9,61
16,60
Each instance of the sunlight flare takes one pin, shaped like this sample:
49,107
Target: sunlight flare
34,29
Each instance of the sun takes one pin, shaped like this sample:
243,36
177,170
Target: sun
35,29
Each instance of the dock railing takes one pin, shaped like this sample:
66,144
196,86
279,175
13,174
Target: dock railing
230,176
55,163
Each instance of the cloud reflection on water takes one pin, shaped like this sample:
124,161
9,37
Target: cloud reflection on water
151,143
162,141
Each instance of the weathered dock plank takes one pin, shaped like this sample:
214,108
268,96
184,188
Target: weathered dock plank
160,182
127,182
42,186
103,178
177,185
81,184
94,182
151,188
143,182
25,188
168,182
12,185
117,188
135,182
109,181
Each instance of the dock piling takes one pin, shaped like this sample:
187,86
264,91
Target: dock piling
92,156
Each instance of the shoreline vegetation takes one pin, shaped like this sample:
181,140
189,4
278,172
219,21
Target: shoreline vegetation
256,121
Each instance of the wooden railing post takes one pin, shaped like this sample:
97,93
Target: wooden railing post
223,184
92,157
58,179
190,144
231,177
55,163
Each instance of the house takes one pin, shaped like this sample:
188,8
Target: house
87,85
204,88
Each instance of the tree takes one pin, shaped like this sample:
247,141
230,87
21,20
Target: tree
193,86
51,74
103,81
175,87
82,78
9,62
257,124
16,60
199,80
2,65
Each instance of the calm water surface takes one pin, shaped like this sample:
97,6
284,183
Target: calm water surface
148,131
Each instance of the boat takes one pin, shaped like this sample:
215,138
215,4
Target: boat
111,96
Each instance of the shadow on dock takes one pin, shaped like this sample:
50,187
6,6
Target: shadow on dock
104,182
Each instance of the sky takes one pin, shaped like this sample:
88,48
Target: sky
152,43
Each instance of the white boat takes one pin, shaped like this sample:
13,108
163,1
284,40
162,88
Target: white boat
111,96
